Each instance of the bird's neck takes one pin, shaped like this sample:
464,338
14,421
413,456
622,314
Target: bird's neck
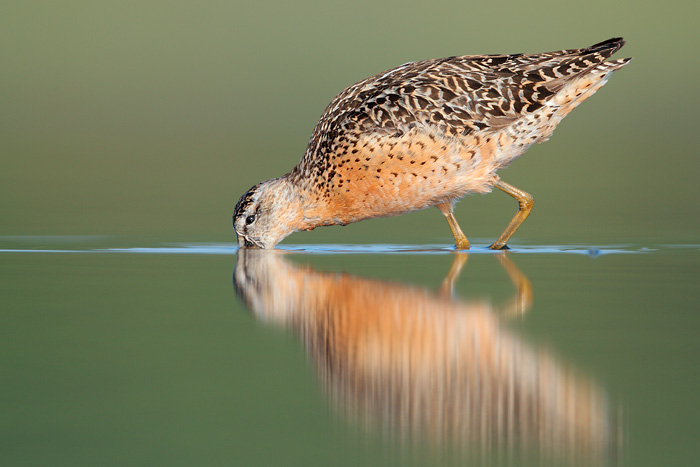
307,208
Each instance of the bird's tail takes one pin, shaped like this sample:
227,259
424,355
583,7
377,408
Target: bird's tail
605,49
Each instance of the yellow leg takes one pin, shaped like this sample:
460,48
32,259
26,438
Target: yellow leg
461,242
525,203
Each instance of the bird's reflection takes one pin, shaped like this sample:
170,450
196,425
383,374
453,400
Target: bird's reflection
423,365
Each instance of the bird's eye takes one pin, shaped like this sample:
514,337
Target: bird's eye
249,220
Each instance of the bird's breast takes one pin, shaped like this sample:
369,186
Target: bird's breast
380,175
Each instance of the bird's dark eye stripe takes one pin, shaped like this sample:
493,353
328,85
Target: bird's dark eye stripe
245,201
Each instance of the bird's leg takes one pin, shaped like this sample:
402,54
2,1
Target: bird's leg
461,242
525,203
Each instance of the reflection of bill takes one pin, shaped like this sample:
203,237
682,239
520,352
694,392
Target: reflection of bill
420,364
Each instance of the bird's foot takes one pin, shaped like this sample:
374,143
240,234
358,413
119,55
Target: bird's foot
462,245
499,246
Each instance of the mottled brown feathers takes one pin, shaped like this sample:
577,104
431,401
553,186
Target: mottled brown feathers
454,97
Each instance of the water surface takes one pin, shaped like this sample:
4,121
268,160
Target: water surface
347,354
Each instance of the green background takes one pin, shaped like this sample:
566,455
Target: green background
152,118
132,124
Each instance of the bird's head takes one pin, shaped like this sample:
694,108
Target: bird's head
266,214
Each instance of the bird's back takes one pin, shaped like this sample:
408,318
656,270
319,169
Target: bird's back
454,120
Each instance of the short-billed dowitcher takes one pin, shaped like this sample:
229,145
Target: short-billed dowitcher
424,134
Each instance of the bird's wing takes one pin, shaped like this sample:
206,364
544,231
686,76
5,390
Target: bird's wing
454,96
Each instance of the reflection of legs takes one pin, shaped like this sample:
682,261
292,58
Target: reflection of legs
525,203
461,242
448,285
523,300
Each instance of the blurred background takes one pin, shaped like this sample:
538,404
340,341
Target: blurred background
135,124
151,118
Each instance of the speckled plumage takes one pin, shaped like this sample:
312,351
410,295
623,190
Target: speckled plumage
424,134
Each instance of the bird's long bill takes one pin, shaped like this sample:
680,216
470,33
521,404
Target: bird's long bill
246,242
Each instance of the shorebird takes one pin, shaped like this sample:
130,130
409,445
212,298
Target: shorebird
424,134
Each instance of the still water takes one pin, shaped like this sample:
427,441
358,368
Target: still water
120,353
